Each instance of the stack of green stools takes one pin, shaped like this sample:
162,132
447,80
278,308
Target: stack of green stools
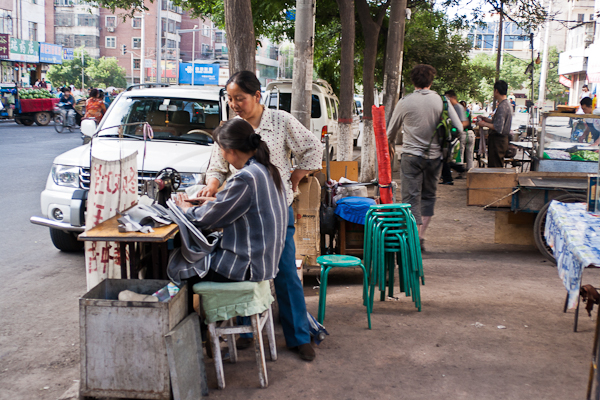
392,238
332,261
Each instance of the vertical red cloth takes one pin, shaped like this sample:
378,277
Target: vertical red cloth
383,155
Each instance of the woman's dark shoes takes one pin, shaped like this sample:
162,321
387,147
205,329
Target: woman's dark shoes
243,343
305,351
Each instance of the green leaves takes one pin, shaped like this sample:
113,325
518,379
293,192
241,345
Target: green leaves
102,72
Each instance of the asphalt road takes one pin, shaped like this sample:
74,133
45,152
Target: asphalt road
38,307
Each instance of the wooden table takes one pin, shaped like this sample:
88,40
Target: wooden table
108,231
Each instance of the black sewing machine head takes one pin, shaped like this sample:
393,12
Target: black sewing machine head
167,181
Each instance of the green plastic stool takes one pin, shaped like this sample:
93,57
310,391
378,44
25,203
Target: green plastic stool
332,261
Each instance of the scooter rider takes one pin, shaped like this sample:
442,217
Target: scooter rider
68,104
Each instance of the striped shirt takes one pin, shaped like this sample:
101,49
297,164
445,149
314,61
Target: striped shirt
253,215
285,136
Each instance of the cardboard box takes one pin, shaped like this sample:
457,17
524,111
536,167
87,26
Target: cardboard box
514,228
488,185
306,215
338,169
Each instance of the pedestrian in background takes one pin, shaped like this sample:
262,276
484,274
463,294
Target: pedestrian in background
418,114
499,126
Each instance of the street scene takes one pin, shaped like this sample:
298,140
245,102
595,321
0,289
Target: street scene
299,199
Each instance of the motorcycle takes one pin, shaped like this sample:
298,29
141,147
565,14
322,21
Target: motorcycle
68,118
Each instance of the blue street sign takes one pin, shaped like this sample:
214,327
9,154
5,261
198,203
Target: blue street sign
68,53
204,74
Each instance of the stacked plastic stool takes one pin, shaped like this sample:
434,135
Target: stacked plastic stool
392,239
223,302
329,262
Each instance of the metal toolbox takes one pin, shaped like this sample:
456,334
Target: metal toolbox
123,350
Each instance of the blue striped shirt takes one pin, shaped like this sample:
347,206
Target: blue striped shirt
253,215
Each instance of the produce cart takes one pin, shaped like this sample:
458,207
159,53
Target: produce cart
27,106
560,168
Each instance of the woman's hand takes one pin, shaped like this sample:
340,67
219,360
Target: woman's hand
296,177
210,189
181,202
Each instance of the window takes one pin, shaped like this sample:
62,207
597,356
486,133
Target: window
136,63
273,53
87,20
136,43
34,1
136,22
171,44
205,30
220,37
285,103
171,26
163,5
85,40
33,31
111,42
205,49
591,17
335,105
63,19
6,22
111,21
328,105
580,17
163,24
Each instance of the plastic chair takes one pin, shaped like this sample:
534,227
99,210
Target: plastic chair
329,262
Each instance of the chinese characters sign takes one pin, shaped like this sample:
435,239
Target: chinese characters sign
51,53
204,74
113,187
4,46
68,53
24,50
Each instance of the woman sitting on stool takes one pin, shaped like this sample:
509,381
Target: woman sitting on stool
251,210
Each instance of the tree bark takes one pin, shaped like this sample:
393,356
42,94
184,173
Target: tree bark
241,43
345,139
394,54
499,50
370,30
303,61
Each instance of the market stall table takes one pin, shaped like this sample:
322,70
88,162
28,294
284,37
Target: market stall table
574,236
108,231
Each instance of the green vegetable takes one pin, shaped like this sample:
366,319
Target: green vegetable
584,155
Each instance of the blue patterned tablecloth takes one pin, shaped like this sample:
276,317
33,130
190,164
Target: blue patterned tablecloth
574,236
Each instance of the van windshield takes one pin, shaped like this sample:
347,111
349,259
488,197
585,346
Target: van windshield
285,103
170,118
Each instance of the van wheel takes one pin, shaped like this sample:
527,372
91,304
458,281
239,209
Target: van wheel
65,241
42,118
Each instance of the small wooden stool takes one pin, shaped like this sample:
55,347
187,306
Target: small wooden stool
223,302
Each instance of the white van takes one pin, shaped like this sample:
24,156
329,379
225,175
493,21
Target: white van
324,108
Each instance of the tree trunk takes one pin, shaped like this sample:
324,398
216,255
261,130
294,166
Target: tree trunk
241,43
370,30
345,138
393,60
499,52
303,61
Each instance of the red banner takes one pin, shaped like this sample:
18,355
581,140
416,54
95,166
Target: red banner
564,81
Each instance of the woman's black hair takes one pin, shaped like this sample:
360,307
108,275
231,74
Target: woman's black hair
239,135
94,93
246,80
100,94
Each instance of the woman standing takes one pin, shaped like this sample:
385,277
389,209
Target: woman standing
285,136
94,106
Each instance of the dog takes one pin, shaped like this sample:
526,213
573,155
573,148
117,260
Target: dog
590,296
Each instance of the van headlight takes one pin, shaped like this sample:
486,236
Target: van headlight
65,175
188,180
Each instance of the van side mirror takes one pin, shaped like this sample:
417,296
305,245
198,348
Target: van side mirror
88,127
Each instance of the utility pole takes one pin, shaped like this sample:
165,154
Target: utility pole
82,71
499,53
158,42
143,51
544,70
303,61
194,54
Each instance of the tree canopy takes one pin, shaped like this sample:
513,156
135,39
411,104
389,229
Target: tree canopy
102,72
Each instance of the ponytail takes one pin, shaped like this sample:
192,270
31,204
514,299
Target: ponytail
239,135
